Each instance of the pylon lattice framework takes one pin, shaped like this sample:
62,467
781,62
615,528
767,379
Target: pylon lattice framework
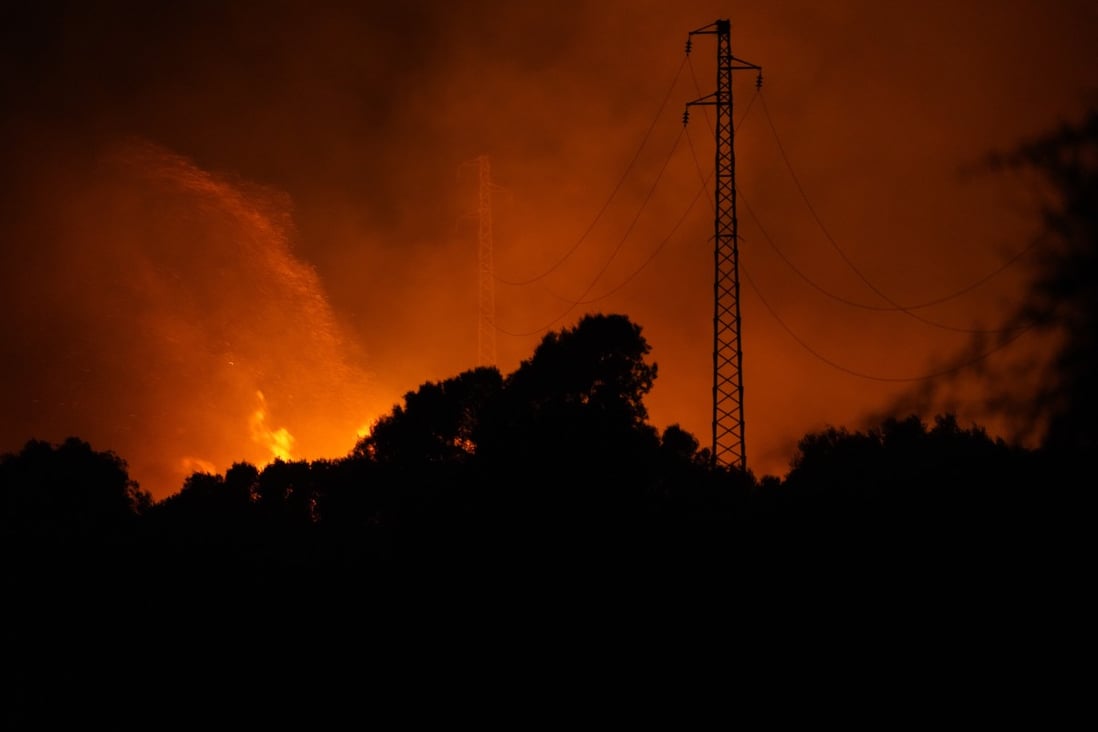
728,422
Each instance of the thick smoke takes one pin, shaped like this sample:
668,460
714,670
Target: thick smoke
172,322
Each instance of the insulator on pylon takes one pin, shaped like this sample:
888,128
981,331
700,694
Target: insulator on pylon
685,117
759,81
688,39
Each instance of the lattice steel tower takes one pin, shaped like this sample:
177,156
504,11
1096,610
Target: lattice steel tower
486,325
728,423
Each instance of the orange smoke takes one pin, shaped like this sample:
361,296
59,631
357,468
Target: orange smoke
185,333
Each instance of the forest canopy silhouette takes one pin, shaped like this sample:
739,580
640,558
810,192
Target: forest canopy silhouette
554,470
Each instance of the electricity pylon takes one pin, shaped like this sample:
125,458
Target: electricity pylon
486,328
728,423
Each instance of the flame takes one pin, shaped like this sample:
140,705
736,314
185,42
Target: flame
279,442
191,465
184,332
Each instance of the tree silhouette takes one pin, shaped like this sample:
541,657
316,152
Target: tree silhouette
211,509
573,423
285,495
439,422
67,491
903,492
69,527
598,365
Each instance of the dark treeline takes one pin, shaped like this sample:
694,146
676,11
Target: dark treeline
497,506
532,521
552,466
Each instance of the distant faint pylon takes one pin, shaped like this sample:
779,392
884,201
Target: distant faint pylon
486,328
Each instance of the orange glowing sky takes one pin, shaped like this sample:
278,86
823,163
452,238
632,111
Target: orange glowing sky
238,230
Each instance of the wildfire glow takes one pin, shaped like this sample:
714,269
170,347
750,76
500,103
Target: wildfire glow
279,441
191,465
187,334
260,210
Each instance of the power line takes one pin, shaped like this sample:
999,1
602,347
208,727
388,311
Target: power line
613,193
659,247
582,299
884,308
907,310
655,252
663,242
925,377
704,177
1014,333
613,254
878,308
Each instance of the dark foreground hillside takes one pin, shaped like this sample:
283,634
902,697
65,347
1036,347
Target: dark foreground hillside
824,594
527,548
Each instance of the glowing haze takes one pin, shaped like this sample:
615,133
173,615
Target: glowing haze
170,319
241,231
